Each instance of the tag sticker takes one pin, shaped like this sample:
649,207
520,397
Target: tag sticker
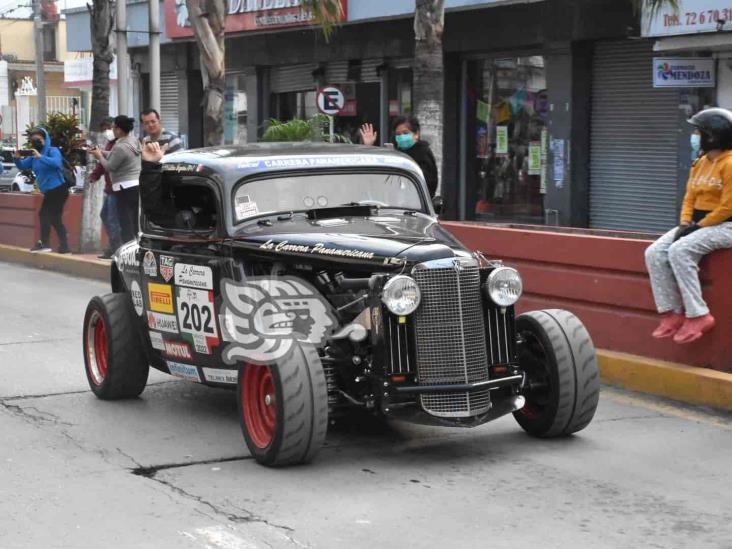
245,207
166,267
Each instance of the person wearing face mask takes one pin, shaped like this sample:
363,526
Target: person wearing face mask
46,163
109,213
407,140
123,164
705,225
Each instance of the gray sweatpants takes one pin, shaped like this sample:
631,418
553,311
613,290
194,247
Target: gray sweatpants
674,268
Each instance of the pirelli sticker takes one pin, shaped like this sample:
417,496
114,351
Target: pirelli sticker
160,298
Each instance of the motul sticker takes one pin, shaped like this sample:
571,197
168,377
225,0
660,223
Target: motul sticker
186,371
193,276
149,265
215,375
156,340
166,267
161,297
161,322
174,349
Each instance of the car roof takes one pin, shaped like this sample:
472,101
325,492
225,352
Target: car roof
233,162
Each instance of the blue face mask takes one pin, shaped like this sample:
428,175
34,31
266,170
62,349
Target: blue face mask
405,141
695,141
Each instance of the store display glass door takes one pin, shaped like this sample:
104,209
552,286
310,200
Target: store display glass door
507,139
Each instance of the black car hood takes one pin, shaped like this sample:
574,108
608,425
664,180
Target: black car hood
413,237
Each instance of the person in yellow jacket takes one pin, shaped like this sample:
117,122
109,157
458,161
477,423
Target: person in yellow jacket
705,226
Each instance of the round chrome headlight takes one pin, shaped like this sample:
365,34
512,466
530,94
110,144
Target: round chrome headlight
504,286
401,295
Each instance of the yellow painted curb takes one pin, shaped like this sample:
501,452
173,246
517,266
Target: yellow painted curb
700,386
59,263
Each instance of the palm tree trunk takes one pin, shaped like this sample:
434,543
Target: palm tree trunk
428,75
208,19
101,16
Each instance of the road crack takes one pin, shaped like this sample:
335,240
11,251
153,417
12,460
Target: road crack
247,516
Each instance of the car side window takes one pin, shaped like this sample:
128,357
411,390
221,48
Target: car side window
182,203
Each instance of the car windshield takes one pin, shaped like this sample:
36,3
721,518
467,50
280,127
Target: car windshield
307,192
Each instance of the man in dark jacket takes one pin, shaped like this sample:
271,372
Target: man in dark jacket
407,139
47,164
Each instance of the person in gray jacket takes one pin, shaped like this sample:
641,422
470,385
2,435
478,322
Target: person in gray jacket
123,164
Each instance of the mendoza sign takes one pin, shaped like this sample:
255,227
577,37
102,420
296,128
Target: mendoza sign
683,72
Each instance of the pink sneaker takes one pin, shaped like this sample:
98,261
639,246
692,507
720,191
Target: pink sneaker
669,325
694,328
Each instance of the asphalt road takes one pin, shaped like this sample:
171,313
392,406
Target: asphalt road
170,469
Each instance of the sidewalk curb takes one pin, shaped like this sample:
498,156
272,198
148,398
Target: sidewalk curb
67,264
700,386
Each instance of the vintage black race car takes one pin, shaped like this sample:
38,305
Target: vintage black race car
316,278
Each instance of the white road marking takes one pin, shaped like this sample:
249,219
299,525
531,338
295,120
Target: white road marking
218,537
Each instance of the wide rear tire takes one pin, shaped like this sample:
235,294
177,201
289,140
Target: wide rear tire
283,408
563,380
114,357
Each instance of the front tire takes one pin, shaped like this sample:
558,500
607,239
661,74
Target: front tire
563,381
114,357
283,409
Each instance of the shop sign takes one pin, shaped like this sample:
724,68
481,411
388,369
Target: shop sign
683,72
246,15
81,71
693,16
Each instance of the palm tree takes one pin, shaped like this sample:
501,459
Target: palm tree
428,74
208,20
101,16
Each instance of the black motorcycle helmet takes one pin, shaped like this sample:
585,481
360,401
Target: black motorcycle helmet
715,126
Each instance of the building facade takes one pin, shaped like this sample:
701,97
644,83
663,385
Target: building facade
552,111
17,62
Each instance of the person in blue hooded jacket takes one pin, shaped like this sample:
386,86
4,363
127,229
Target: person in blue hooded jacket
47,164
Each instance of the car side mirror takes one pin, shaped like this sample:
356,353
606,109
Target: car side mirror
438,203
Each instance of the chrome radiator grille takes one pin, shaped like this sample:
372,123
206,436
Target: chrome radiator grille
450,335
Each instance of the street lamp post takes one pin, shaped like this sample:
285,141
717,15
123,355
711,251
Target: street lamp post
40,74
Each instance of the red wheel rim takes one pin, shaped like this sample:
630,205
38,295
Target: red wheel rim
96,348
259,404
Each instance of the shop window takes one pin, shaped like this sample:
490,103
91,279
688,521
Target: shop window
235,110
289,105
363,104
507,139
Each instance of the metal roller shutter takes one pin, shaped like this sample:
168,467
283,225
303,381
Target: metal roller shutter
337,71
633,167
292,78
169,108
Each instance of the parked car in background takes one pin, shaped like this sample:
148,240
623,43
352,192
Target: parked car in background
24,181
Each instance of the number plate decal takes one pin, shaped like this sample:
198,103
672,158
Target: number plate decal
197,318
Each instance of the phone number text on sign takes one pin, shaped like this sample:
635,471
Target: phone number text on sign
694,16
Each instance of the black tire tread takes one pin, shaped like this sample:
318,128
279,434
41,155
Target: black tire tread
577,370
128,368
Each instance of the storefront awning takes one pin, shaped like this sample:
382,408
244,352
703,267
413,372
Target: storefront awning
718,41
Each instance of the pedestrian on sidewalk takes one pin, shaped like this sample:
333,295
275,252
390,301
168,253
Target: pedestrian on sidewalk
705,226
46,163
123,164
408,140
109,213
155,133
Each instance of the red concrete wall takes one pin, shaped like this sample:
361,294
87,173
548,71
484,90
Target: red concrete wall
603,280
20,226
